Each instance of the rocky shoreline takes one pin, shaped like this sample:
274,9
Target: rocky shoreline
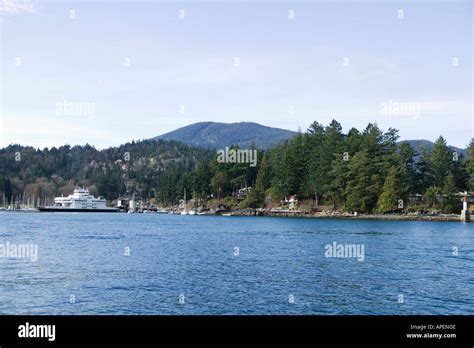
339,215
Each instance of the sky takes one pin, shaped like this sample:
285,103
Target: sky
108,72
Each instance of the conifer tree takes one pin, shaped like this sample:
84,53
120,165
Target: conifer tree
450,199
441,160
395,189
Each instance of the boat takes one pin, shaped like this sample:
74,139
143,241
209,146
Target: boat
185,211
81,201
226,214
29,210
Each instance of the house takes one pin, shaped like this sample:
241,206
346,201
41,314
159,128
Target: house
416,198
242,193
122,203
293,202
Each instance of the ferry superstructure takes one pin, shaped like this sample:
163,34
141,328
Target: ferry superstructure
80,201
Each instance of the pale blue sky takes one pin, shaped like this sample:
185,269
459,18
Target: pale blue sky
284,65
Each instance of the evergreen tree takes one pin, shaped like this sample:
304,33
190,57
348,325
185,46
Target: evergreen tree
470,165
256,197
431,197
359,197
407,161
5,187
353,142
297,163
218,184
201,180
395,191
315,177
423,172
338,175
441,160
450,199
460,173
283,182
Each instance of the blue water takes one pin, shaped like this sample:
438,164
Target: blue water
82,269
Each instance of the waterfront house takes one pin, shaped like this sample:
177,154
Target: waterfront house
293,202
416,198
242,193
123,203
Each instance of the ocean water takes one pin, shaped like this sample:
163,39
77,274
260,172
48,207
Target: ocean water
171,264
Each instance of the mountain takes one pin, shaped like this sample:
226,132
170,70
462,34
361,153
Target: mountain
215,135
219,135
418,144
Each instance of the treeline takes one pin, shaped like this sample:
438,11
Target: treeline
361,171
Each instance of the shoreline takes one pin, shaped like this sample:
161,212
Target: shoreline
303,214
348,216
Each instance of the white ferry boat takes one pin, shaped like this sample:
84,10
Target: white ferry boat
80,201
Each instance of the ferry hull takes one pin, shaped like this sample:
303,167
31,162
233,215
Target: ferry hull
74,210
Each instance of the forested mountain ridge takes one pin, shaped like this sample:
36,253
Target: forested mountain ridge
214,135
130,169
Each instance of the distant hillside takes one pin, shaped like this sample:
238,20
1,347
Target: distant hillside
418,144
219,135
133,168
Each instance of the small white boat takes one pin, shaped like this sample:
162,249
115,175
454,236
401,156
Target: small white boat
185,211
227,214
29,210
192,212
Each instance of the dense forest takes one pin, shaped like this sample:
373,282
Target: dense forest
364,171
136,168
361,171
